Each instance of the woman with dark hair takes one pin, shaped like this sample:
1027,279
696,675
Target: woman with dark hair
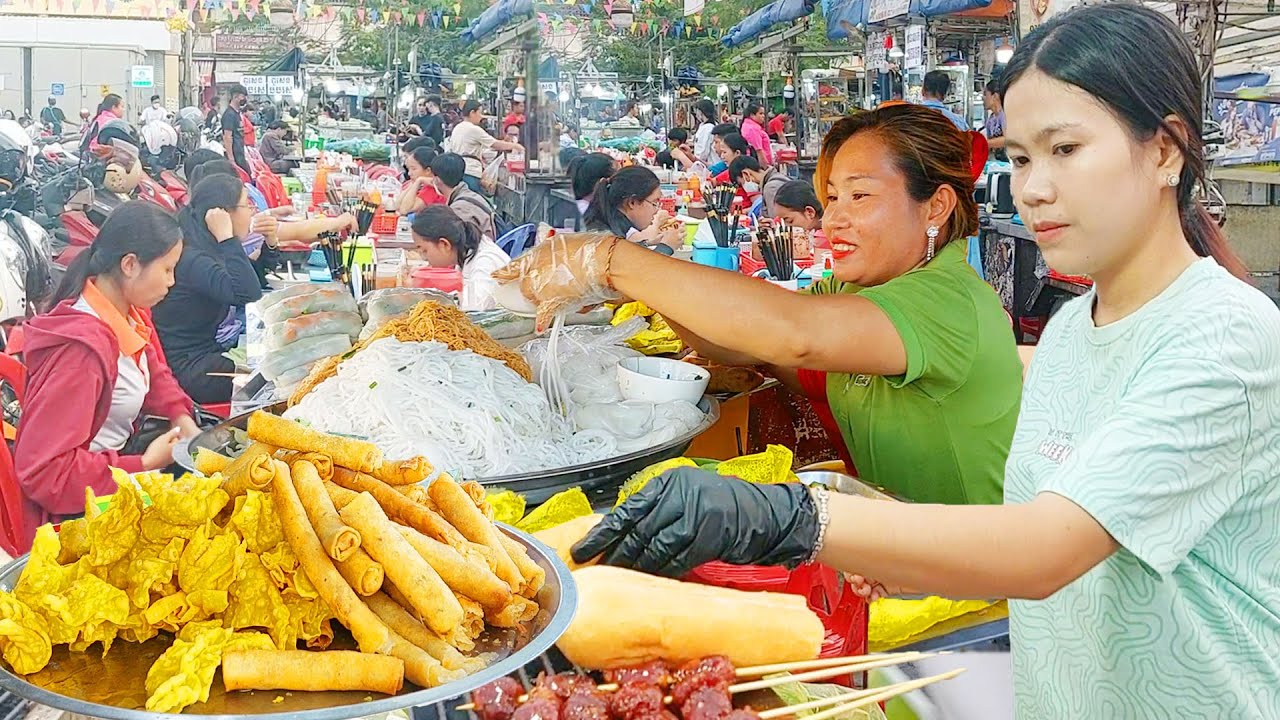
213,275
420,191
94,369
718,134
111,108
626,205
753,121
678,150
906,349
1138,541
704,111
587,173
797,205
446,240
732,147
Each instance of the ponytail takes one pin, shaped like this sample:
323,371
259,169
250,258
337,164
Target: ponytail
109,101
1206,238
138,228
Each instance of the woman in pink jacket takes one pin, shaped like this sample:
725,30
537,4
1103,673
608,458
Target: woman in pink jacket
95,369
111,108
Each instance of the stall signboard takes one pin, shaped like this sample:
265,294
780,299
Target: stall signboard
881,10
267,85
877,56
244,43
142,76
914,51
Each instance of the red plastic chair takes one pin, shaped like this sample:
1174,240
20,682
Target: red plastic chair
272,189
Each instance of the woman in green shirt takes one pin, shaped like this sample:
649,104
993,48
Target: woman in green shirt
1139,542
910,349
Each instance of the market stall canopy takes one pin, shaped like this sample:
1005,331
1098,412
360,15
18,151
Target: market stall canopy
1249,34
289,62
766,17
844,16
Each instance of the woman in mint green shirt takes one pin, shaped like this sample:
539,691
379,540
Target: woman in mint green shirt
908,348
1139,541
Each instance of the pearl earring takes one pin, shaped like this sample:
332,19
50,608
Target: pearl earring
1172,180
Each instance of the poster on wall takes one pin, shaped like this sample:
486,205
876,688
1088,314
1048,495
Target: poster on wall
1251,127
1033,13
914,57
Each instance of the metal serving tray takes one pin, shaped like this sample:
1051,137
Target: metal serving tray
113,687
594,478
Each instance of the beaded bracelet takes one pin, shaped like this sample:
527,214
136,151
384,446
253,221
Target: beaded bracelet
821,498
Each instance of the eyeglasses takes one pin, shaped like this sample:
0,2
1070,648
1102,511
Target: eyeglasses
248,207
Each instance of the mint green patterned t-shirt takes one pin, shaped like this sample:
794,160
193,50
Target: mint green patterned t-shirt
1165,428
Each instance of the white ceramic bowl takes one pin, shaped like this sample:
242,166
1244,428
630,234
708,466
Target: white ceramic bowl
510,297
659,380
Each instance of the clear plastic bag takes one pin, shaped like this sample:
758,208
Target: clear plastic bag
495,174
588,359
384,304
274,297
278,362
292,330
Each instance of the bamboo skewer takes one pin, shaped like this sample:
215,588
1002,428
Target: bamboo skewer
820,669
856,699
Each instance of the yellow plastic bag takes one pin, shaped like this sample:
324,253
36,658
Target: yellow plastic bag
629,310
638,481
894,622
558,509
769,467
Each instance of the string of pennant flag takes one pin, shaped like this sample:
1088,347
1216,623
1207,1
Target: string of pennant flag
570,16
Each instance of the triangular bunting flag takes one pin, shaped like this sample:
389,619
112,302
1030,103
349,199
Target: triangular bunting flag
447,18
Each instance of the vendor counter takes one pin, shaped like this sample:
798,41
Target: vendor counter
1013,265
538,199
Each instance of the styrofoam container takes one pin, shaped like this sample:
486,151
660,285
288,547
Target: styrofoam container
659,380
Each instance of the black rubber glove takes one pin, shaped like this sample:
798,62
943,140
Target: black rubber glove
687,517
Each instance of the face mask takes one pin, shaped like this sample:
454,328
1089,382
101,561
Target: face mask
751,187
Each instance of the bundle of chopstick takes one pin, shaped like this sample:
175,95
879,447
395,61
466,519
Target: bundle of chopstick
724,224
774,675
777,248
365,211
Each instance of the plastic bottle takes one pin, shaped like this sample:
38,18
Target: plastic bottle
826,268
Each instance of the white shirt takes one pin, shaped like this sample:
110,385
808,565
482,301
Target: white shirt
133,382
154,114
470,141
477,276
702,142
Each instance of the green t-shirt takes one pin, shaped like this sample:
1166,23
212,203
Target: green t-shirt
1165,427
941,432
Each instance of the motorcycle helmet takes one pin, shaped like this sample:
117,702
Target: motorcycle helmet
14,147
118,130
25,275
122,177
160,146
190,125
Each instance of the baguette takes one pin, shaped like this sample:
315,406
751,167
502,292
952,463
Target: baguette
626,618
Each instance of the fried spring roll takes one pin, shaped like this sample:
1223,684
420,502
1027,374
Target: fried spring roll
455,638
324,465
467,578
410,628
459,508
313,671
252,470
209,462
362,572
428,595
401,508
419,666
339,495
275,430
519,610
370,634
534,576
404,472
472,616
340,540
416,493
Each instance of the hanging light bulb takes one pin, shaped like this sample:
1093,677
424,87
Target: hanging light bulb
892,47
1004,52
788,90
518,95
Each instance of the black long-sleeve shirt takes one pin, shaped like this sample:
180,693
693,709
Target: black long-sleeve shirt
208,280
